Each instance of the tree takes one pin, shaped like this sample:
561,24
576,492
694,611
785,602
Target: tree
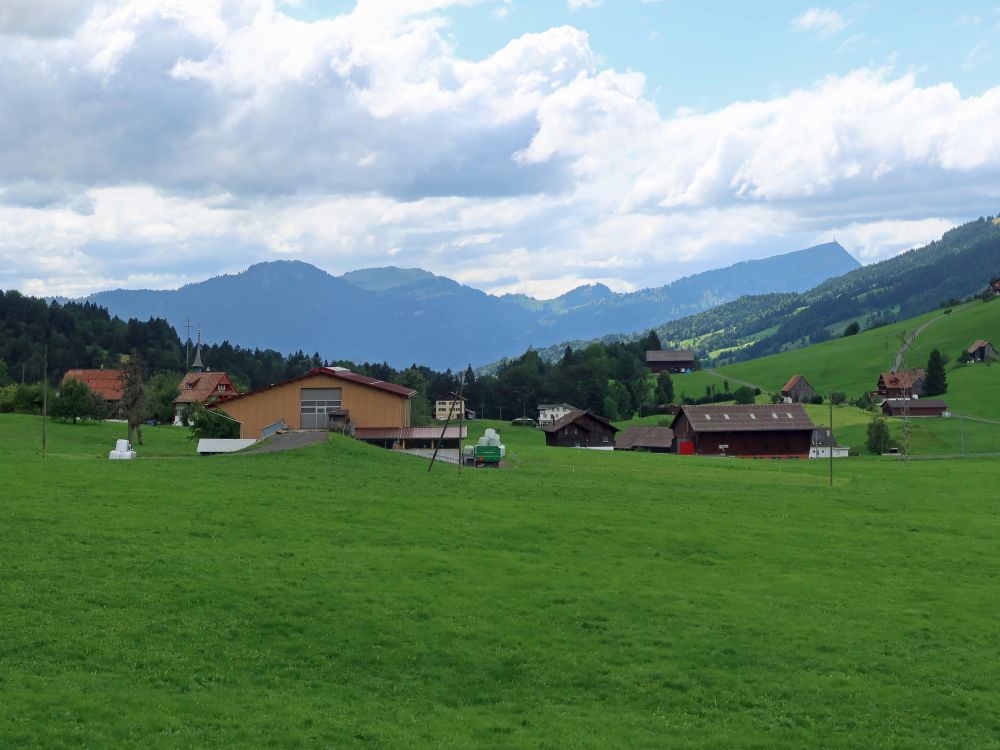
650,342
664,389
4,379
852,329
878,440
935,383
744,395
162,390
838,397
133,403
212,424
76,401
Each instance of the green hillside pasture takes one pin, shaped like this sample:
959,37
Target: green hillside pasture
342,596
850,365
86,440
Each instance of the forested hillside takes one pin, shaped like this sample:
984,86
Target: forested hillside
957,266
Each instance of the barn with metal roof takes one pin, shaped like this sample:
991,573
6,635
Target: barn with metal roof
744,430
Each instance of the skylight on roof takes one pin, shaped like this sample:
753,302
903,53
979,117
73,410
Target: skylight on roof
753,416
789,415
708,416
774,414
725,416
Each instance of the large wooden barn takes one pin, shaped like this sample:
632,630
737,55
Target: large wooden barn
580,429
681,360
744,430
914,407
311,401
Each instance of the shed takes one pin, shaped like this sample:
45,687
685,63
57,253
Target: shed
652,439
797,390
580,429
744,430
981,350
914,407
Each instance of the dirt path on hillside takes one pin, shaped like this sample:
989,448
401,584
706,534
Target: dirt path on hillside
898,361
719,375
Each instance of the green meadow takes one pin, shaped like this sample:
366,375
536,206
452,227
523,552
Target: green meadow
344,596
852,365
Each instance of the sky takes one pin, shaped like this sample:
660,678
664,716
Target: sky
514,146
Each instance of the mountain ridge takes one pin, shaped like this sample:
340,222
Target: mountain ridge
408,315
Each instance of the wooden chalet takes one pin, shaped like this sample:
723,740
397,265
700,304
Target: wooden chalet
914,407
580,429
651,439
901,384
797,390
105,383
681,360
981,350
203,388
744,430
995,287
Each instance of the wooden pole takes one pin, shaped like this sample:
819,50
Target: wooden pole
45,396
831,442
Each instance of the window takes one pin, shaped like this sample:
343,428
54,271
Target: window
222,386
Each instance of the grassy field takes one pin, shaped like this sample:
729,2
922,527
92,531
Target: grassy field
852,365
342,596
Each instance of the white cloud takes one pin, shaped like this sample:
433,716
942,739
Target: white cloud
166,140
822,22
575,5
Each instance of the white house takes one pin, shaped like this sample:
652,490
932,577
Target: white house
823,442
549,413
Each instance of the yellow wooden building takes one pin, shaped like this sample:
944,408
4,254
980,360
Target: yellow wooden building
311,401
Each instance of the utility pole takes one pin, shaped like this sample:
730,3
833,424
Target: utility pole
831,442
961,421
45,397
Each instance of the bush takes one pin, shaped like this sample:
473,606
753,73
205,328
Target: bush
816,399
76,401
853,329
743,395
838,398
864,401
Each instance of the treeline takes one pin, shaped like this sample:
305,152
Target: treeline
610,379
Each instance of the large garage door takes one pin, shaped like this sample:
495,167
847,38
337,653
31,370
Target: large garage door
316,404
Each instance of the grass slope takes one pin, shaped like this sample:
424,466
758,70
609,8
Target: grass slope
852,365
344,596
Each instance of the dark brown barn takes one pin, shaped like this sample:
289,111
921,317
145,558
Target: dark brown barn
915,407
995,287
744,430
901,384
681,360
981,350
797,390
580,429
652,439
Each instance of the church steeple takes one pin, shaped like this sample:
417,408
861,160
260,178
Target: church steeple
197,366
